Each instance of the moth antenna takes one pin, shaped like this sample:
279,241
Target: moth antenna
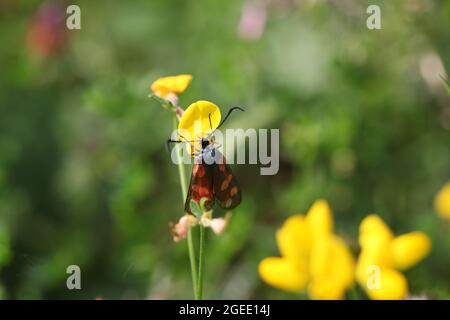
210,122
224,119
228,114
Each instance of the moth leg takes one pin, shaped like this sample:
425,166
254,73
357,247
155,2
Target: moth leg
169,141
190,143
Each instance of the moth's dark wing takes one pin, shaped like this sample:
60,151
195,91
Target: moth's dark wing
226,188
201,186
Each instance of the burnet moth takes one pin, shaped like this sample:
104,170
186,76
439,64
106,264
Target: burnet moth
211,177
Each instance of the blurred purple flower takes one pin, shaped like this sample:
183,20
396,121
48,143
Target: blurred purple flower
253,20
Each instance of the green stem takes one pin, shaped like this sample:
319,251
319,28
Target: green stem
192,261
182,177
201,263
190,240
354,293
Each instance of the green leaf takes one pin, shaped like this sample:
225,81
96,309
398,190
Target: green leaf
164,103
446,83
203,203
195,208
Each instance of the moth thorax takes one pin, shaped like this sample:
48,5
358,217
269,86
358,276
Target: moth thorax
205,143
209,154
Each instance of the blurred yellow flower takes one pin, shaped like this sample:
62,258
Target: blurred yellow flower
199,119
442,202
382,255
312,257
167,86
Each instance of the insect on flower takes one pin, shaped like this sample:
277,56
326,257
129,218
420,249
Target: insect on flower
211,179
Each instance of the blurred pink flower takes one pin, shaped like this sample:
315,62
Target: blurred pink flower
218,225
253,20
46,33
179,231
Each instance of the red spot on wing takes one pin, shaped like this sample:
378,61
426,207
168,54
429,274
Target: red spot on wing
201,186
198,170
226,188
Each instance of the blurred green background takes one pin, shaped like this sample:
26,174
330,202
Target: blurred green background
364,122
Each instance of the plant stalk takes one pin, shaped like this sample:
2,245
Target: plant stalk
201,263
190,240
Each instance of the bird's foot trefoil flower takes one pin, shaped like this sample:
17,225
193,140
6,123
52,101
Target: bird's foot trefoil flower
383,255
312,257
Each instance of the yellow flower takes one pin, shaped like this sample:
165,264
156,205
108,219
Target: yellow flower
442,202
167,86
199,119
312,257
382,255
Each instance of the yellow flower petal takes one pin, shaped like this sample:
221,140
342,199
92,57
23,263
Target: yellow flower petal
373,231
378,254
174,84
381,253
283,274
343,258
392,286
195,122
442,202
325,290
366,261
293,239
311,255
410,248
321,254
375,240
320,218
331,268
